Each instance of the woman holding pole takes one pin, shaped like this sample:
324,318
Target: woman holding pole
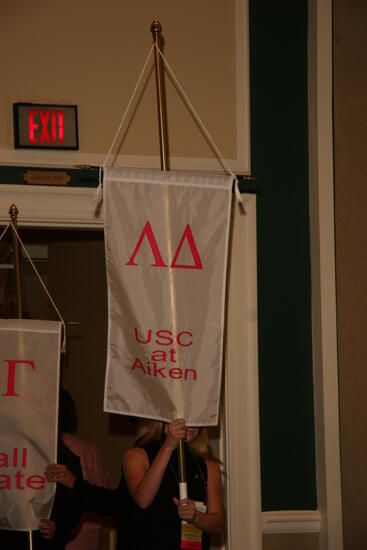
151,473
154,517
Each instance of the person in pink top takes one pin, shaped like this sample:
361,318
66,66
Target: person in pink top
87,535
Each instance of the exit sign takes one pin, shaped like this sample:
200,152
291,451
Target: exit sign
40,126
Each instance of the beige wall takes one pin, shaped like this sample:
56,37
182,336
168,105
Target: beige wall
350,132
91,54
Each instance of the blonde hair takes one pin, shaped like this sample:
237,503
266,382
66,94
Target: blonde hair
152,430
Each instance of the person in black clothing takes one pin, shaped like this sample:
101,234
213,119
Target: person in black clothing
151,471
100,500
150,511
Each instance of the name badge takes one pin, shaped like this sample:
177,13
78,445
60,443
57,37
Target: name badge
190,534
190,537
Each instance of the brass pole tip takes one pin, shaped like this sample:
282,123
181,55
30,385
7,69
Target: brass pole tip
13,211
156,27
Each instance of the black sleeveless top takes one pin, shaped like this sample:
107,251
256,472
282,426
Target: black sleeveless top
159,527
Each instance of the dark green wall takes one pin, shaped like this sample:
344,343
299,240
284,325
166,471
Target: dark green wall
279,157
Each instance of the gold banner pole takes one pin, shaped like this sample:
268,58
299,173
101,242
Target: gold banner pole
13,211
156,29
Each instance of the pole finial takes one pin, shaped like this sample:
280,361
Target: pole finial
13,211
156,27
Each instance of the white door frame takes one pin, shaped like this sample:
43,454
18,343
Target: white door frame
323,274
242,446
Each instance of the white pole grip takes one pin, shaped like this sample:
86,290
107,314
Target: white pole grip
183,490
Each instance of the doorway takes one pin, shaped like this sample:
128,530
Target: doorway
71,262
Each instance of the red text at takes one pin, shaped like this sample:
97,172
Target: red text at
162,363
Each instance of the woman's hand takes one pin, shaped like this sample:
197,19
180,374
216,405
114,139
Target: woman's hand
186,509
176,430
47,528
60,473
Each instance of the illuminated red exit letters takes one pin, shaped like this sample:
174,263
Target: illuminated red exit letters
46,126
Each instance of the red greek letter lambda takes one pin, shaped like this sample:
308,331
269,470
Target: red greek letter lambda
153,245
12,363
187,234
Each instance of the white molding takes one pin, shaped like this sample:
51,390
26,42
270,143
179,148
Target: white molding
242,406
291,521
41,206
72,159
324,318
239,165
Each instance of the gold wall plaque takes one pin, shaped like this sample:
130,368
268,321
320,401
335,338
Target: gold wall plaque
46,177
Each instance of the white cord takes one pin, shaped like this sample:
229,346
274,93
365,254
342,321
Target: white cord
63,347
98,195
202,126
5,230
189,105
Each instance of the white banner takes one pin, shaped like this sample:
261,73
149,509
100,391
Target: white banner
166,240
29,389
